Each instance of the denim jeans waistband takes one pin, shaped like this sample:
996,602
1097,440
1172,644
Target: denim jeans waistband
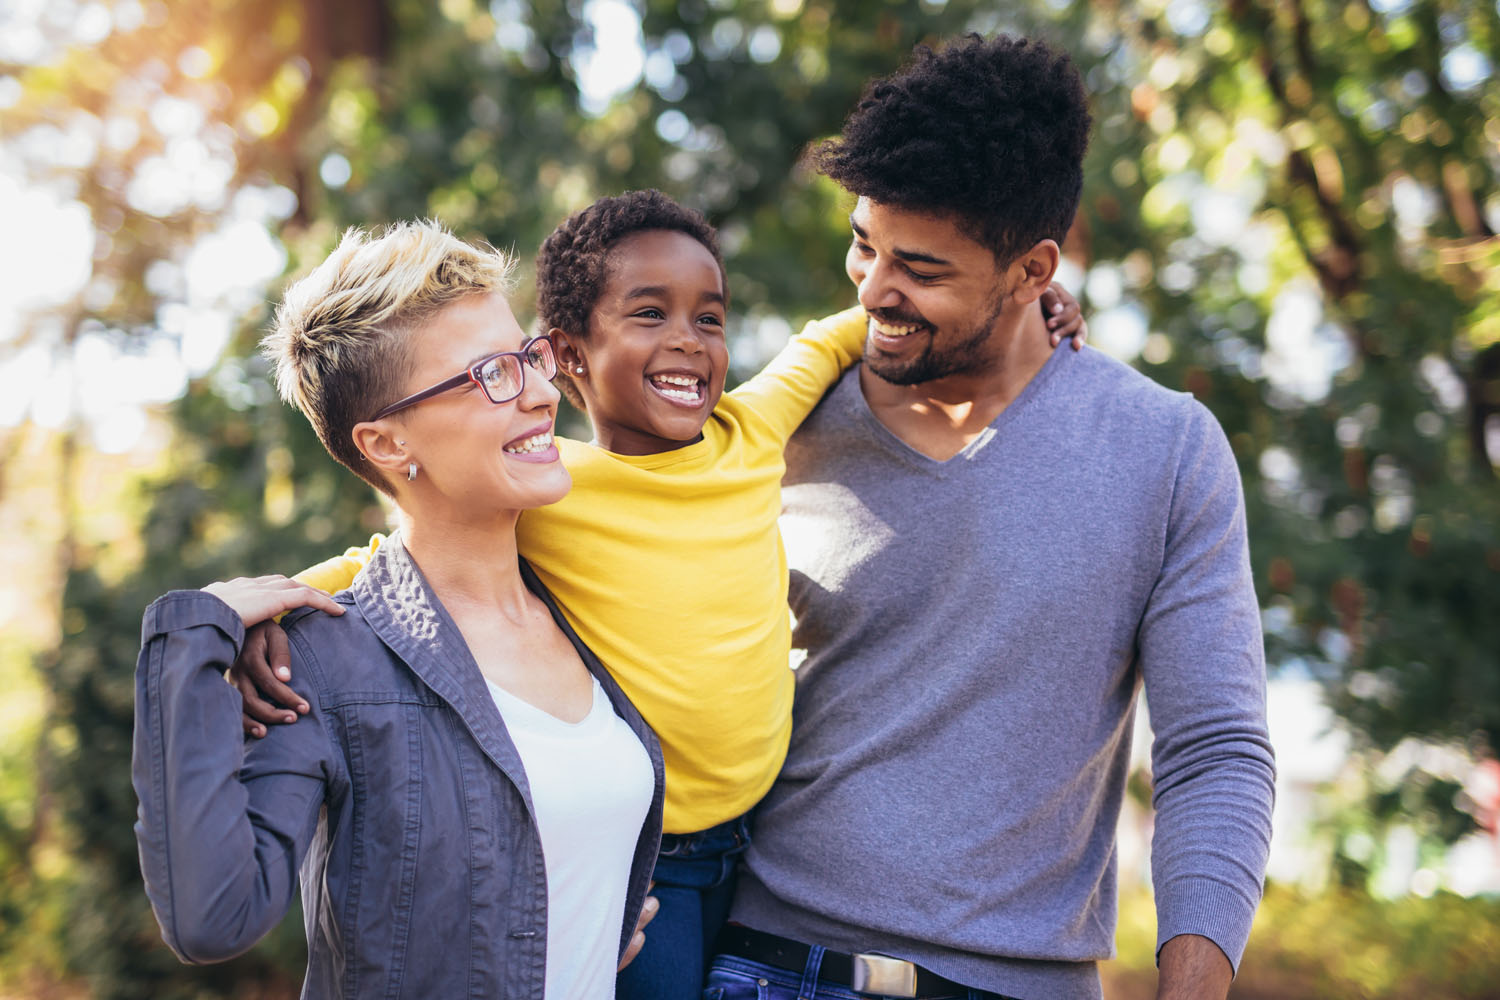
728,839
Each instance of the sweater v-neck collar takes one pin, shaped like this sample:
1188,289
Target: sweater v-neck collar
898,446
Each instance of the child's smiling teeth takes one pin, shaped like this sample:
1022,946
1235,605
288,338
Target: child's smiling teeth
683,387
895,330
531,445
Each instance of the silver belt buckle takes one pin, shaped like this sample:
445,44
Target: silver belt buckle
884,976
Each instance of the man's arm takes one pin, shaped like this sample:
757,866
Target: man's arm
1191,967
263,669
1202,658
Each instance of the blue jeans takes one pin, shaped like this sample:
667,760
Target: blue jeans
731,978
695,885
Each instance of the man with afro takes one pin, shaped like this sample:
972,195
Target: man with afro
944,825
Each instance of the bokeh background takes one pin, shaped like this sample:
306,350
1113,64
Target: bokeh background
1290,211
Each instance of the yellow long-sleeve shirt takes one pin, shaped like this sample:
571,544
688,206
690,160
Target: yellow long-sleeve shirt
671,568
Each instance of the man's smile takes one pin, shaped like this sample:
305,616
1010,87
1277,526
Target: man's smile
895,329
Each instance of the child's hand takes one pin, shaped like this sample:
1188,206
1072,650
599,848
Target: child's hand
638,939
261,674
1064,317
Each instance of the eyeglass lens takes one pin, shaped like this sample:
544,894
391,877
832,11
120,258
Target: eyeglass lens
503,378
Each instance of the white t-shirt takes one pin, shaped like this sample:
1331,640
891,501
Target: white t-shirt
591,786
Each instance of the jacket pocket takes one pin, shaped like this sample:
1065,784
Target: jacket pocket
384,740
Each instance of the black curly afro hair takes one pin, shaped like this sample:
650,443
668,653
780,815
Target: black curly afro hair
572,265
989,132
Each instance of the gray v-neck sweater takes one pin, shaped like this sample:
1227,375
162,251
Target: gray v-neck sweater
976,632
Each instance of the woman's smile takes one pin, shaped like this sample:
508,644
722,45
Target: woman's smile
533,446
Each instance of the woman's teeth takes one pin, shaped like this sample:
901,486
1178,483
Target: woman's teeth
535,443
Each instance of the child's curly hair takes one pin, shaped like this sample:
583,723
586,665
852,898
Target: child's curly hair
571,266
988,132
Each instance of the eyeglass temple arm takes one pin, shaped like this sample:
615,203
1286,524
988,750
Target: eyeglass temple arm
428,393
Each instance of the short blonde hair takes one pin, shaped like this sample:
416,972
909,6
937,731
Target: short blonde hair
341,341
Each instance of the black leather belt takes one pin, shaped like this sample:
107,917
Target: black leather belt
877,975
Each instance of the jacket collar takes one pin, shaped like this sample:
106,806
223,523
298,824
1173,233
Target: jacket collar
401,608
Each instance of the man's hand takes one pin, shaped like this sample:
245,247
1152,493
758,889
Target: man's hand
638,939
1192,967
256,599
1064,317
261,672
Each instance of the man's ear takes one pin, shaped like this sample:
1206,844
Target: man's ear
570,355
1033,270
382,444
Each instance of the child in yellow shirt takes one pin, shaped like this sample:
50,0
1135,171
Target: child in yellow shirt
665,556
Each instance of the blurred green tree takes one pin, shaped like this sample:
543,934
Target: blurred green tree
1251,165
1289,211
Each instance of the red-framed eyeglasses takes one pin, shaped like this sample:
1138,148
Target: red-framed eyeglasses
502,376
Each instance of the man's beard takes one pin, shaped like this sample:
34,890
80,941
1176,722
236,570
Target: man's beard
965,356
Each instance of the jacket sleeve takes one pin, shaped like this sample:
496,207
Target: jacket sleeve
222,832
794,381
1203,662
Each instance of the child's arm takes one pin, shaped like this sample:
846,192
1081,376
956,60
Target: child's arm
333,575
788,388
263,667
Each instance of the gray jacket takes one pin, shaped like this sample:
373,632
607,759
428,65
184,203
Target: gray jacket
400,798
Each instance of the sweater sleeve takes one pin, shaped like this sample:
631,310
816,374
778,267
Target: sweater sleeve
333,575
1203,662
794,381
222,832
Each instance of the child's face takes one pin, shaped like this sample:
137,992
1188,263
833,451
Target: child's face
655,357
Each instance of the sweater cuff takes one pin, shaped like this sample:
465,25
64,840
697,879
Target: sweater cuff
1208,908
184,609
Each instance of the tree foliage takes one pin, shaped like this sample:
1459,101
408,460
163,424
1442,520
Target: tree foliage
1289,211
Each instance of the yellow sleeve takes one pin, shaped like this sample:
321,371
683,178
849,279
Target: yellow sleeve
333,575
788,388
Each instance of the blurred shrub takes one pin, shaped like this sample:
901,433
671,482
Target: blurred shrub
1341,943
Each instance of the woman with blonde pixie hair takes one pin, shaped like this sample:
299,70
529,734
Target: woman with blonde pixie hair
475,809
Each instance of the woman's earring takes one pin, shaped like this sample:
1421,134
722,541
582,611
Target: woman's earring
411,472
579,369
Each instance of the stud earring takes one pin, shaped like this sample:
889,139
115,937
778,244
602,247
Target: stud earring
579,369
411,472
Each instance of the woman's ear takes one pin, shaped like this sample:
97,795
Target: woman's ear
570,359
381,443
